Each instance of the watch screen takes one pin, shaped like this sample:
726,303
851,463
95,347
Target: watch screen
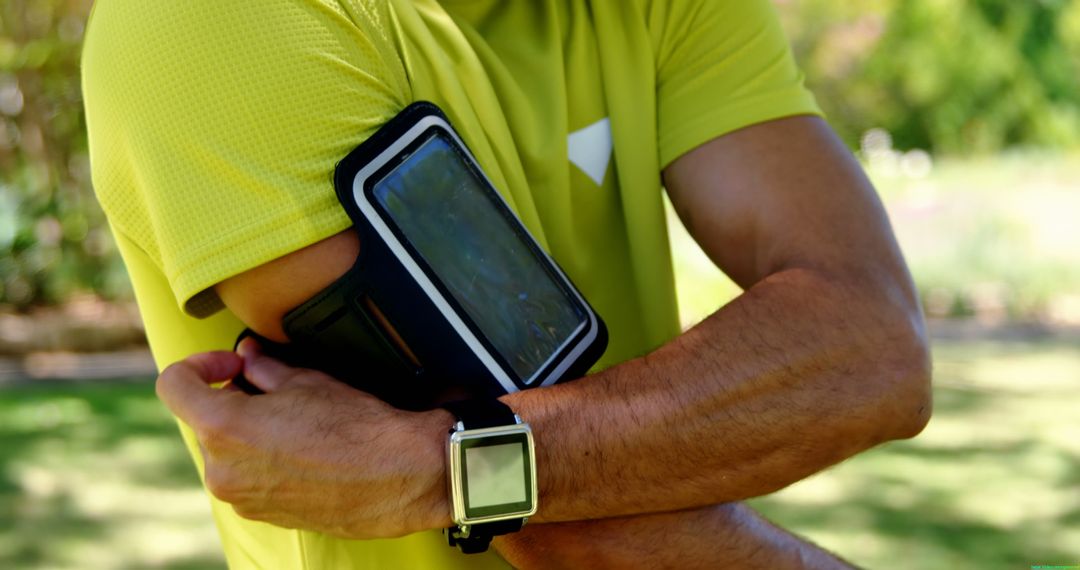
453,219
496,475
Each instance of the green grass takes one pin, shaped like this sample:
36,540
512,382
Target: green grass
995,237
991,483
95,476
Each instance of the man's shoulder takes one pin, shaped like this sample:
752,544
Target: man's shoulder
137,30
195,108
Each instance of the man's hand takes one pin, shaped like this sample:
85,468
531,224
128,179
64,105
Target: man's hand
311,452
822,357
291,457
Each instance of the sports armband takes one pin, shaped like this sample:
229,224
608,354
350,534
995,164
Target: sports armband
450,295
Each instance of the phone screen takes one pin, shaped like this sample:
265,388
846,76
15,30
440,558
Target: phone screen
453,219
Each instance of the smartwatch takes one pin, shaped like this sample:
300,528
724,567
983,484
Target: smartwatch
491,469
450,297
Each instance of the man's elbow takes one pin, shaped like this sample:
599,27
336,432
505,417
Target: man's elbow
905,402
917,396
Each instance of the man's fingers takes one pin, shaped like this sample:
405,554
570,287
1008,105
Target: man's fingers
269,374
214,367
185,386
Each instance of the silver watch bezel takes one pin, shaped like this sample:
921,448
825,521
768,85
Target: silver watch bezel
454,464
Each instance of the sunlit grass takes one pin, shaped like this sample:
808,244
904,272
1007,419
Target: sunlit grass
95,475
995,237
991,483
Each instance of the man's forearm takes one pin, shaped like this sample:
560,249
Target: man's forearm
823,356
798,373
730,535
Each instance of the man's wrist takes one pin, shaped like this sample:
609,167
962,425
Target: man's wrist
433,508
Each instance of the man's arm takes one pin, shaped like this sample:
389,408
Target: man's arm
823,355
320,491
730,535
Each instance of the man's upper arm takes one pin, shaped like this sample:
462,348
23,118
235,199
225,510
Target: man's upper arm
721,65
260,297
786,194
214,126
772,196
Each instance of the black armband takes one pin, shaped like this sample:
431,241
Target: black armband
450,292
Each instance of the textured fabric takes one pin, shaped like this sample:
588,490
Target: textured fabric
215,127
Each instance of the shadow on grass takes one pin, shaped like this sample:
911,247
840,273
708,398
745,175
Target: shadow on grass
59,420
990,484
960,400
923,534
193,563
61,447
993,488
39,526
1071,480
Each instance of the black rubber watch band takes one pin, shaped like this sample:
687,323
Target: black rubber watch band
480,535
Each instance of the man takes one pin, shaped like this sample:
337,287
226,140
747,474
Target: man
214,127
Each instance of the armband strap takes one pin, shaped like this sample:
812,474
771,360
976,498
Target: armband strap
334,332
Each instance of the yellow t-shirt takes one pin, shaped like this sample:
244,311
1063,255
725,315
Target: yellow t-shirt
215,126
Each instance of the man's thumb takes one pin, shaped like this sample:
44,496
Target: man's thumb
185,385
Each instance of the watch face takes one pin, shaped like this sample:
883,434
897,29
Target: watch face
492,474
495,475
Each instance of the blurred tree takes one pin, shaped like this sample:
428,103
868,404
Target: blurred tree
951,76
53,237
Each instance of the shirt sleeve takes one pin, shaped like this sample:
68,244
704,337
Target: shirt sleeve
215,126
721,65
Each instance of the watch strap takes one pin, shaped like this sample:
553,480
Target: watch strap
480,535
481,413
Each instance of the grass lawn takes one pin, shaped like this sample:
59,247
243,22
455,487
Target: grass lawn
991,483
95,476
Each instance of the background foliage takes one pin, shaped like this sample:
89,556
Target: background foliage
967,116
949,76
952,77
94,476
53,236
